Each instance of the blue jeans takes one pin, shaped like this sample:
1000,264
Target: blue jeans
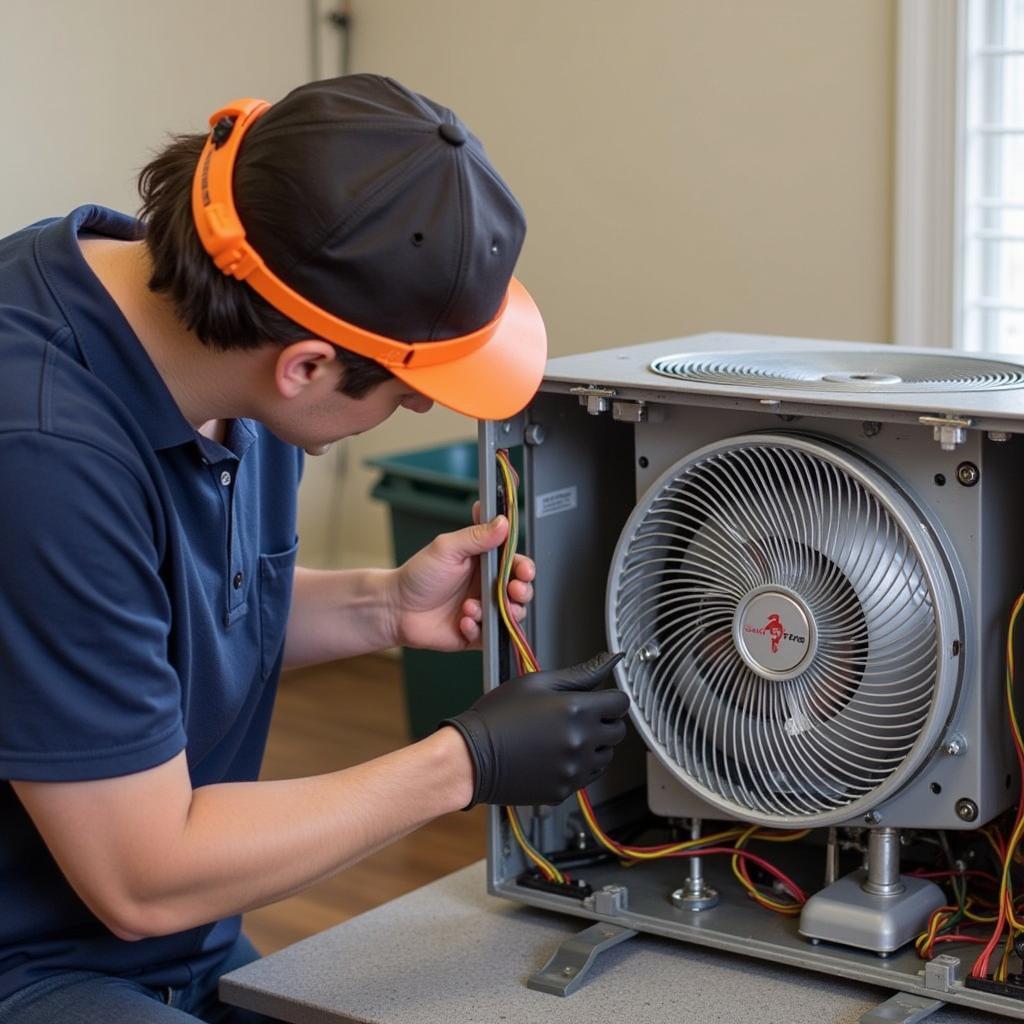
86,997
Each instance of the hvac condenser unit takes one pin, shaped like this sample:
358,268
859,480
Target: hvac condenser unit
807,552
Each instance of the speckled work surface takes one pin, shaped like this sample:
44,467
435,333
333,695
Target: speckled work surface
450,954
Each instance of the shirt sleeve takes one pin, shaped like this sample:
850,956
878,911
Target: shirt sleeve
86,688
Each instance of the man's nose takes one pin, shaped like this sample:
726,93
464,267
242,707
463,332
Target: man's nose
419,403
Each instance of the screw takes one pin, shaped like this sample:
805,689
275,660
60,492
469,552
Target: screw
534,434
966,810
649,652
872,818
569,971
871,428
967,473
955,746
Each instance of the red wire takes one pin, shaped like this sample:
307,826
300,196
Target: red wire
980,968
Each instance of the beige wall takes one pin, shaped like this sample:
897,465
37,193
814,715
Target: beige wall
684,165
90,89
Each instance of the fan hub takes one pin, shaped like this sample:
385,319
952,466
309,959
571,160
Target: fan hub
774,632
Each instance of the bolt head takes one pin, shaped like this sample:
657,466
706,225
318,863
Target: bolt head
872,818
968,474
966,810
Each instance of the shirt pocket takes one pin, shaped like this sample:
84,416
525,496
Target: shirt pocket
276,575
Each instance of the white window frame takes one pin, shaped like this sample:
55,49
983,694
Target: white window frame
927,243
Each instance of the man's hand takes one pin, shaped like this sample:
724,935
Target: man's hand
436,594
539,738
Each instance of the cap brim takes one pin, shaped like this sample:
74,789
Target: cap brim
498,379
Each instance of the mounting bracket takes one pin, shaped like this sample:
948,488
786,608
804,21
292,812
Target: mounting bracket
565,971
902,1008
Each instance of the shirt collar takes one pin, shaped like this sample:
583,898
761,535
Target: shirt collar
110,347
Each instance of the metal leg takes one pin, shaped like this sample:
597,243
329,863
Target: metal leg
903,1008
565,971
695,894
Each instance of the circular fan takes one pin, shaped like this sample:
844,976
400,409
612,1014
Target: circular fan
859,370
789,625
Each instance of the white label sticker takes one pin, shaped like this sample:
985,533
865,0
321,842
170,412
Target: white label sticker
553,502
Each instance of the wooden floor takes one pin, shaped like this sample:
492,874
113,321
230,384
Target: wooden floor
327,718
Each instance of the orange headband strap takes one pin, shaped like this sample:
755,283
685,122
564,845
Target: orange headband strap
223,237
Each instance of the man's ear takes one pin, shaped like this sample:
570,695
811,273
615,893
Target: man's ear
302,364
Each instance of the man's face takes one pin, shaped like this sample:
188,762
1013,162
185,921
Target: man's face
321,415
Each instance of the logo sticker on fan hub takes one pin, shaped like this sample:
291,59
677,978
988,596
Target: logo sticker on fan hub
774,632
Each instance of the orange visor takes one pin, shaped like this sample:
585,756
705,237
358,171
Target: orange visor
491,373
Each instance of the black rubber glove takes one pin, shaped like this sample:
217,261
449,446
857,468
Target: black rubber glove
539,738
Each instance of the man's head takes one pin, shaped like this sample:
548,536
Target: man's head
373,206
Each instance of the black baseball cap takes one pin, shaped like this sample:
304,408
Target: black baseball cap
381,208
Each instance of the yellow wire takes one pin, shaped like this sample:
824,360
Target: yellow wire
1005,889
546,867
508,555
789,909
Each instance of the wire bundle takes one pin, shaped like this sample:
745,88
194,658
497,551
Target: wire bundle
526,661
1008,918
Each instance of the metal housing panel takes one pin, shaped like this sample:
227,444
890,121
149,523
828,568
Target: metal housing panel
607,460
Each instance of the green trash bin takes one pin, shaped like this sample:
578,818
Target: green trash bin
430,492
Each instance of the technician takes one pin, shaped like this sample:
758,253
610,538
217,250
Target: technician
296,276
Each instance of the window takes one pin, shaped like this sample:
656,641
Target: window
991,214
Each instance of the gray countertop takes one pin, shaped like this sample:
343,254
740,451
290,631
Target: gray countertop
450,953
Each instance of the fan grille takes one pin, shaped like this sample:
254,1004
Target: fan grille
879,370
783,615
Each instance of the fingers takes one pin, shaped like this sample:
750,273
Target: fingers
611,706
523,568
590,674
519,592
472,541
613,733
471,609
470,630
476,511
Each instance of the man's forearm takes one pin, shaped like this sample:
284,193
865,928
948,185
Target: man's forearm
184,858
339,614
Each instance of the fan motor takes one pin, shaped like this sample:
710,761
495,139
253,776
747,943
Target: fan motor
785,610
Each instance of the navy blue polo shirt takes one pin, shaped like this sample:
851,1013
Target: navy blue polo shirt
145,579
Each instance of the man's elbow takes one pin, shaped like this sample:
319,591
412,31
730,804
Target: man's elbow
132,921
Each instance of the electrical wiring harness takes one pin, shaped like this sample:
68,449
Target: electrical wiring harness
1009,920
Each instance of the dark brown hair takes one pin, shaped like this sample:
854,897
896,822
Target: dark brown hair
222,312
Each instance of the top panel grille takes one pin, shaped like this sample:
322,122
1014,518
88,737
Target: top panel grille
883,370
